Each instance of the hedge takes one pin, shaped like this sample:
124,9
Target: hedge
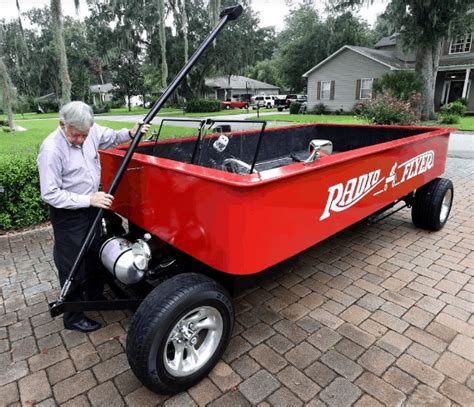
20,200
203,106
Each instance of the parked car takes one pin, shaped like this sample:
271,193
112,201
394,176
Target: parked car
267,101
234,104
285,103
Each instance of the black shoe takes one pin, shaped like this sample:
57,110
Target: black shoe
83,325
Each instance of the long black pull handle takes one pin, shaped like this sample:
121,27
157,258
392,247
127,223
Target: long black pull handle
228,14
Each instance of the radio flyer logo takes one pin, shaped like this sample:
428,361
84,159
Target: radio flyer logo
344,195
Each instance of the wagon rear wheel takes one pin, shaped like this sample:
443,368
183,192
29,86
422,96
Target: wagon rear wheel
179,332
432,204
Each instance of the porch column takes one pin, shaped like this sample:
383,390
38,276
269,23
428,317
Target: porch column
466,82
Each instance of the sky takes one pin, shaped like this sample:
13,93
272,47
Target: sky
272,12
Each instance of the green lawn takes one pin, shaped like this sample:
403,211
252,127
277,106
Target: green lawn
113,112
23,142
311,118
167,111
466,123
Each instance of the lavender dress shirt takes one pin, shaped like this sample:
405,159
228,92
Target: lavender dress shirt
68,173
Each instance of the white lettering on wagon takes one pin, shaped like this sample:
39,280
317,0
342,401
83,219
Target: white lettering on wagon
343,195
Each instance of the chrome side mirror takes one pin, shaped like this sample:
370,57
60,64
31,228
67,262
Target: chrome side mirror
315,147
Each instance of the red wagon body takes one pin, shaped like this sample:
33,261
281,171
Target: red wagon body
242,224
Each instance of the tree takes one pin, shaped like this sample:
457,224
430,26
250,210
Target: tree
423,24
5,84
162,36
265,71
60,49
346,29
128,78
7,94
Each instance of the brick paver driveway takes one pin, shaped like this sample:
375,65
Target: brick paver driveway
379,314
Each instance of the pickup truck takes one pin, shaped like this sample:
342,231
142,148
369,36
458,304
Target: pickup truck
234,104
284,103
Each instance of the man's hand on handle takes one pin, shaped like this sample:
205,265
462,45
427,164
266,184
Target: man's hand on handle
101,200
135,128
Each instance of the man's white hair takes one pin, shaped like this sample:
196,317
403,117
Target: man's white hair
78,115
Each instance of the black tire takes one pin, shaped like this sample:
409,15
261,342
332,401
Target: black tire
159,314
428,211
280,109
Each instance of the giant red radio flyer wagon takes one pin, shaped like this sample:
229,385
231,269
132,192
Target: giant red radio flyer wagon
235,204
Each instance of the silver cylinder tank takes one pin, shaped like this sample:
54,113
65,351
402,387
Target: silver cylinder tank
127,261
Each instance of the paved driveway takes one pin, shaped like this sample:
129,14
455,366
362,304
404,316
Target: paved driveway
377,315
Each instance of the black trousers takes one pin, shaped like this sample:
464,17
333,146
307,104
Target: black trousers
70,229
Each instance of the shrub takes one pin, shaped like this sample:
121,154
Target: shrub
6,129
49,106
454,108
20,200
452,112
388,110
105,108
402,85
446,118
320,108
117,101
203,106
295,107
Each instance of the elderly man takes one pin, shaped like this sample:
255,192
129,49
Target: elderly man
69,169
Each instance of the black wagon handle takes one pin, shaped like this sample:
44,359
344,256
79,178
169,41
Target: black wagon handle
228,14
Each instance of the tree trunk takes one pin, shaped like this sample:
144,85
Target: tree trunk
129,103
185,30
162,35
60,48
427,61
7,96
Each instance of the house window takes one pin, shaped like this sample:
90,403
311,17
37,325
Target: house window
461,44
366,88
325,90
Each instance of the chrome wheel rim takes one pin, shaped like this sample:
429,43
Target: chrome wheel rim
193,341
446,205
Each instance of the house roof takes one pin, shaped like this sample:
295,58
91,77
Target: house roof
386,58
387,41
101,88
237,82
456,60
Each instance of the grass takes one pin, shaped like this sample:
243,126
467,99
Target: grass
466,123
113,112
138,111
312,118
24,142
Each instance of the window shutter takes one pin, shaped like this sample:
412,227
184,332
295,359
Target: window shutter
318,92
358,89
333,90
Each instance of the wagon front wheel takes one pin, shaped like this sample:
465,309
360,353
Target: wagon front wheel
179,332
432,204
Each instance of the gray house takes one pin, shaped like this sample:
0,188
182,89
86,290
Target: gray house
346,77
101,93
238,87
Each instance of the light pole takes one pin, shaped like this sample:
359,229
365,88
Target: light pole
247,94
